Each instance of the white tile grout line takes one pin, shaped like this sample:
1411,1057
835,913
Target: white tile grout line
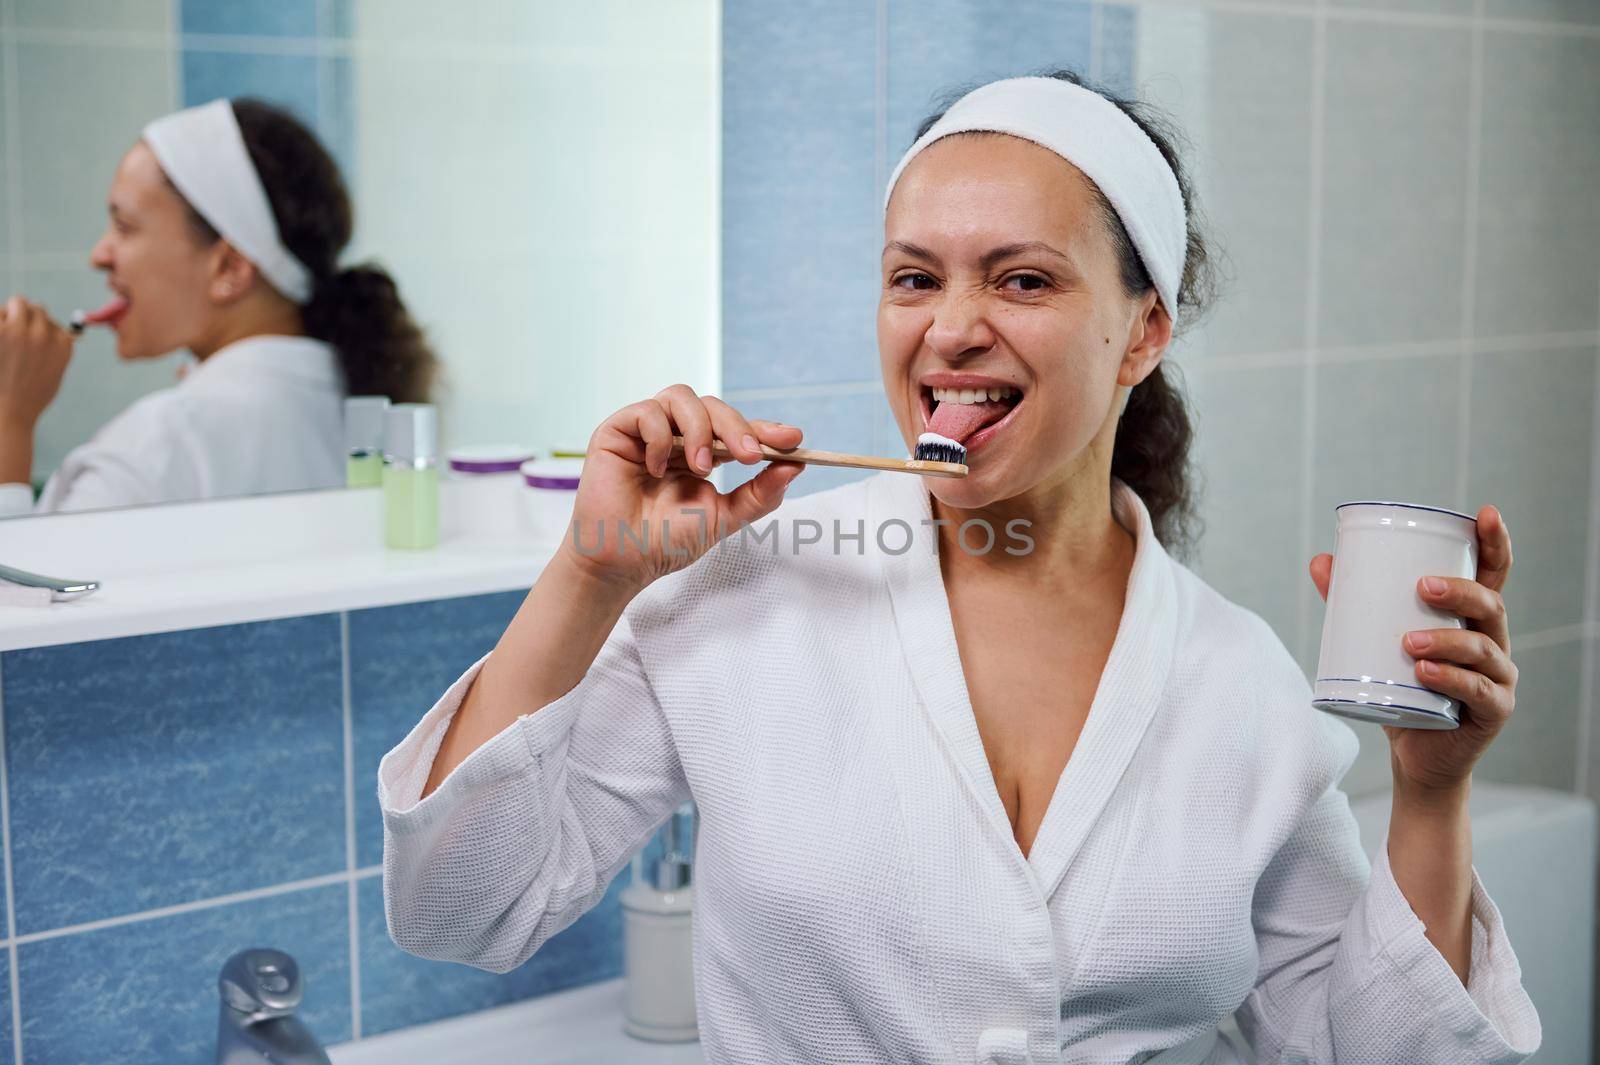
880,103
352,889
198,905
714,192
1469,261
11,901
281,45
13,145
1096,14
1588,681
13,209
1319,73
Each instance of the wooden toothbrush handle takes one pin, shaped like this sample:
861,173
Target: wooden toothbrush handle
814,457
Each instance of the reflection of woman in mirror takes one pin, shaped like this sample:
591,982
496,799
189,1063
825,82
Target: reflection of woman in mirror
226,224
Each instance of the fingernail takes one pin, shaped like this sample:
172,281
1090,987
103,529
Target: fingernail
1428,667
751,443
1434,585
1419,640
702,458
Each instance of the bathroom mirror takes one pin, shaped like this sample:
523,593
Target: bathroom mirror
540,179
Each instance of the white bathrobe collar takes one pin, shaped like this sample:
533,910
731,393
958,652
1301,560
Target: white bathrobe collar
1125,701
308,361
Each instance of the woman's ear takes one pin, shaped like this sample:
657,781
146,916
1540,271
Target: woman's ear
232,275
1148,336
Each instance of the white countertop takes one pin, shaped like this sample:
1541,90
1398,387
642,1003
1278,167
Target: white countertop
578,1027
219,562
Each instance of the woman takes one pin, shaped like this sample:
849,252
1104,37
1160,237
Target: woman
1056,800
226,224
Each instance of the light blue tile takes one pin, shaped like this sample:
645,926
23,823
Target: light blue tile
1237,87
801,232
1248,447
162,769
1395,200
399,989
7,1053
1581,11
336,122
937,47
147,991
250,18
290,81
1426,7
7,192
103,16
1385,429
336,18
402,658
832,423
81,108
1535,748
1539,218
1529,454
1118,45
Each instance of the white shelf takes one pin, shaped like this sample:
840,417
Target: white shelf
220,562
578,1027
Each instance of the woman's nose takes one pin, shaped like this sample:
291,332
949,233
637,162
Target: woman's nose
960,325
100,257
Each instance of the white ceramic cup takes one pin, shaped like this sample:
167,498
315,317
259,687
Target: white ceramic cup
1381,551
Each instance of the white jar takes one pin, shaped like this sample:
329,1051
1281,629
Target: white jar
550,487
485,489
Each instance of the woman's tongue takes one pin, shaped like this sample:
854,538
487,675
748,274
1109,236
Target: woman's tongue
111,310
960,420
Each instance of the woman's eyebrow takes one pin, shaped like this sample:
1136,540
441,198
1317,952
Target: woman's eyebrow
990,258
1006,251
916,251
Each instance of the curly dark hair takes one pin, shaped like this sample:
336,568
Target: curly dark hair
356,310
1151,453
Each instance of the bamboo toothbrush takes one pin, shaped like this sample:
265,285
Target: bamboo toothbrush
926,467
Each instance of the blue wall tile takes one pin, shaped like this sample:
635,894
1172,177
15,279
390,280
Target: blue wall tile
268,18
147,991
937,46
832,423
7,1057
801,231
402,658
400,989
289,81
1119,28
161,769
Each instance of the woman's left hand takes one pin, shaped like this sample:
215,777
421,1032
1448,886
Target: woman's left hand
34,352
1471,664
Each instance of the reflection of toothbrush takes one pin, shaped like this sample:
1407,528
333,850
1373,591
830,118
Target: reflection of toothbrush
82,319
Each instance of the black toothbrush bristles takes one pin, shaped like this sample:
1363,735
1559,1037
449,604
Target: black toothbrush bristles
940,449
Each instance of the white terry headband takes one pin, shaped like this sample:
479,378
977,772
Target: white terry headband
1094,135
202,152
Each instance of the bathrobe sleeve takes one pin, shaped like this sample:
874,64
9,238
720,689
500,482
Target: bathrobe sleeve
146,454
1347,975
525,834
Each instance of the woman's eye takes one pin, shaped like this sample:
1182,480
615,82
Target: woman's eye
920,282
1027,282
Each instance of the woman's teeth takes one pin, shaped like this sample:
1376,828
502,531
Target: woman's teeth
970,395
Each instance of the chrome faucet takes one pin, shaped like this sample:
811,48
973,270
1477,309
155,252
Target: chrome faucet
260,988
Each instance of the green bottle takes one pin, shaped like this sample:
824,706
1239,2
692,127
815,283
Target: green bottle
363,440
411,475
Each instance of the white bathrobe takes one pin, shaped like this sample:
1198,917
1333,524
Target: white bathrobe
263,414
859,894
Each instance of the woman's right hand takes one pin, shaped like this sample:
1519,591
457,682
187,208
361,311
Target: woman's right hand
632,480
